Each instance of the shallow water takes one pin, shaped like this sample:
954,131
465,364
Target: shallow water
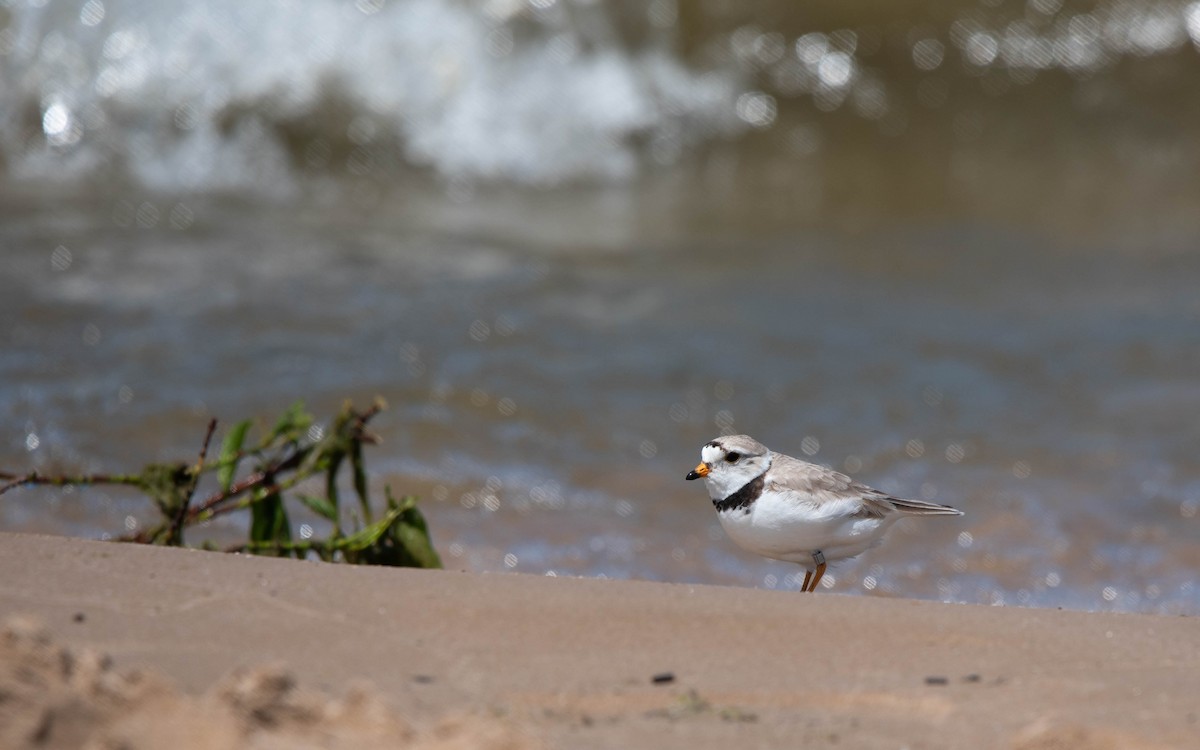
548,404
991,305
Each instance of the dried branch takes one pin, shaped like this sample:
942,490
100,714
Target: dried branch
177,523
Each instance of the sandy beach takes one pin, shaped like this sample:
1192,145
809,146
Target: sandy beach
140,647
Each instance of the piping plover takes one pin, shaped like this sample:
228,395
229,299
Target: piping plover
787,509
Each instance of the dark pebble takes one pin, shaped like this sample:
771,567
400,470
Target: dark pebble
79,617
423,679
662,678
972,678
935,680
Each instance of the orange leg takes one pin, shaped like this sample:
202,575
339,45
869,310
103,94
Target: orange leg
810,580
817,577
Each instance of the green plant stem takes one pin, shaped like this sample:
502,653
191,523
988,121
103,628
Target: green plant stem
34,478
355,542
285,457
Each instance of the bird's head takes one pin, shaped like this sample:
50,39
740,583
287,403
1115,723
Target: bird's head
729,463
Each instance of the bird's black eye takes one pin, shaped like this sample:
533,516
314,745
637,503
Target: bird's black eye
732,457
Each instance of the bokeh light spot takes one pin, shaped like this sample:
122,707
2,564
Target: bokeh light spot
180,217
928,54
60,259
811,47
59,125
479,331
756,109
955,453
369,7
91,334
724,419
146,215
92,13
981,48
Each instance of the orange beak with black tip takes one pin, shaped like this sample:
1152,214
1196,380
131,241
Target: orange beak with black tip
701,470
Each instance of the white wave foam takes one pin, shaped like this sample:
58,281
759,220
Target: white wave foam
229,94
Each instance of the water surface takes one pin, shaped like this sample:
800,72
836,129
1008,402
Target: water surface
951,253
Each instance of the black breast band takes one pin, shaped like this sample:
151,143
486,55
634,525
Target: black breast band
744,497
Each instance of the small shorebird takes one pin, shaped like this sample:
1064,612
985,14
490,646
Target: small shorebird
787,509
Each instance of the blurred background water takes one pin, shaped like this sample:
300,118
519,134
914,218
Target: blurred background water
950,248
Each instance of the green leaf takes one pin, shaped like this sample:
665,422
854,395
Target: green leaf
320,505
170,486
269,521
291,425
231,448
412,533
331,490
400,538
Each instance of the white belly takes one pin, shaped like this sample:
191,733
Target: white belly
780,529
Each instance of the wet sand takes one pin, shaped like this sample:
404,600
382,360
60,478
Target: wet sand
211,650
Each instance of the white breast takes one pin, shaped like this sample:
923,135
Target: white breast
780,527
